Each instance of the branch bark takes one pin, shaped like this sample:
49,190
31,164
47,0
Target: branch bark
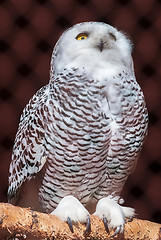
24,223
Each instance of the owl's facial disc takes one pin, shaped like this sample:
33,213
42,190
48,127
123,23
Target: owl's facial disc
89,46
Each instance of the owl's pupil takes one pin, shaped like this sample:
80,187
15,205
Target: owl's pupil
82,38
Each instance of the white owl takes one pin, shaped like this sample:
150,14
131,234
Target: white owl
79,136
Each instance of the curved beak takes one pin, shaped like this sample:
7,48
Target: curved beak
101,45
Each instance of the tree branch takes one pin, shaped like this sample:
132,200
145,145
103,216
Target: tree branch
24,223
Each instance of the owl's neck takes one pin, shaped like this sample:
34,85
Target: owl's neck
98,72
94,63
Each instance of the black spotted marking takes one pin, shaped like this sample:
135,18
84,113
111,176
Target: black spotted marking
72,95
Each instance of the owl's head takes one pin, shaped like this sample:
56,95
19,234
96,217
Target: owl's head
91,45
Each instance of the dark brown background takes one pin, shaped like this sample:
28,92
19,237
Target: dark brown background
28,32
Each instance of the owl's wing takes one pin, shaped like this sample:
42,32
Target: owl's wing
28,155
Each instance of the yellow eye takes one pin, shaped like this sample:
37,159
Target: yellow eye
81,36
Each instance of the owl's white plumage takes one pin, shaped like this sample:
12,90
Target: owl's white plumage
71,53
84,130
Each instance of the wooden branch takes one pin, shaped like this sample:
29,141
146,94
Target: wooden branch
24,223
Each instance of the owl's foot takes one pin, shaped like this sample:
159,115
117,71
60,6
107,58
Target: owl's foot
71,210
112,214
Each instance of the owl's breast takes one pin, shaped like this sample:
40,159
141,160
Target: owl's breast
94,132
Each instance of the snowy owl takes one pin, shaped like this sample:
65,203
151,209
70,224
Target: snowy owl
79,137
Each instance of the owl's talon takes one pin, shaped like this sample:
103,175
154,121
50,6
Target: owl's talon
70,224
130,219
105,224
88,226
118,230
